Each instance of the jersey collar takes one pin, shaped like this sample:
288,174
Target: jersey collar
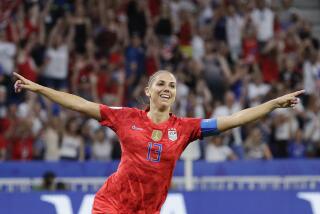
150,123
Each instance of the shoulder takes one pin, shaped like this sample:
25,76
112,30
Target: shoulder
187,121
121,111
113,116
119,108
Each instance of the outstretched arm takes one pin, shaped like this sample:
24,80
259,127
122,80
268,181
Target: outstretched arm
67,100
254,113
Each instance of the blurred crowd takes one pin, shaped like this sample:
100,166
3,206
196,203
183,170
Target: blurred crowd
227,55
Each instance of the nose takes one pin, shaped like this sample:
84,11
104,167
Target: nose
165,87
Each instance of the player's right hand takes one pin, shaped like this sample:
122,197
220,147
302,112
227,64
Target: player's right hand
288,100
23,83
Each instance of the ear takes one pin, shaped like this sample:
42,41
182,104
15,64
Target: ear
147,92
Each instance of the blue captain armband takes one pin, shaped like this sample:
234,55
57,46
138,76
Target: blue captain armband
209,127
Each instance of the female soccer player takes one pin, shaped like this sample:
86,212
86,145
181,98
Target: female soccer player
151,140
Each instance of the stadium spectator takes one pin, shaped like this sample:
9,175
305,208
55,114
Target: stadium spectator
3,100
216,150
164,26
285,124
82,28
311,68
287,14
257,89
3,112
216,70
22,142
102,147
234,30
297,146
250,48
230,106
255,147
55,71
72,145
49,183
3,150
312,124
138,18
25,63
87,135
263,18
51,138
135,66
8,51
198,44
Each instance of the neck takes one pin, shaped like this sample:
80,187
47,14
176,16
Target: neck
158,116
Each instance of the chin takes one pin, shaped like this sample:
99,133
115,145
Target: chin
164,105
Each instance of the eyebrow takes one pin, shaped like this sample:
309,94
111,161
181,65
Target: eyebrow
165,81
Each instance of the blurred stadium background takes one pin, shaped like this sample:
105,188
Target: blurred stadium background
226,54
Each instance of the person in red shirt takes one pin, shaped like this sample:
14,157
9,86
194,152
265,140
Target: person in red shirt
151,140
25,63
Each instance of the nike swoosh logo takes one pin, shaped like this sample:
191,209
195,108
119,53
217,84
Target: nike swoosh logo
134,127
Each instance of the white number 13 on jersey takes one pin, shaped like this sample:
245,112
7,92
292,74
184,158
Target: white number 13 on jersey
154,152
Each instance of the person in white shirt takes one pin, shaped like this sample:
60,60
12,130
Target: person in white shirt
311,72
230,106
263,18
102,147
234,27
197,45
57,57
7,53
217,151
72,145
206,13
257,89
285,123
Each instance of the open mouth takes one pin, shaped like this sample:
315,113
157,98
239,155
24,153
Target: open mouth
165,96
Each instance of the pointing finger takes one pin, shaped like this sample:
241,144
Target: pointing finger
297,93
18,76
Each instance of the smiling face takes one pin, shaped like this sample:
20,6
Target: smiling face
161,90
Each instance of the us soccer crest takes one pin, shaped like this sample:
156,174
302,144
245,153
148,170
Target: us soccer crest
172,134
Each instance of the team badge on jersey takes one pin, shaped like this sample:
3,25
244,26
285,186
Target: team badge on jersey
172,134
156,135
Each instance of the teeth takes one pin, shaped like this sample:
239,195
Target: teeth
165,96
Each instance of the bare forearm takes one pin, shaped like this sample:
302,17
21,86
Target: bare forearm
66,100
254,113
246,116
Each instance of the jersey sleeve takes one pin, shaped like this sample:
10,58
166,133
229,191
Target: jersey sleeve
192,127
113,117
197,128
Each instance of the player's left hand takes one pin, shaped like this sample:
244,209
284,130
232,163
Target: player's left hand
288,100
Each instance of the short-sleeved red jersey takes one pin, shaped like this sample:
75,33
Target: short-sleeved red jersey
149,155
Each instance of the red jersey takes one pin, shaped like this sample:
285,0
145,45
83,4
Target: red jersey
149,155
